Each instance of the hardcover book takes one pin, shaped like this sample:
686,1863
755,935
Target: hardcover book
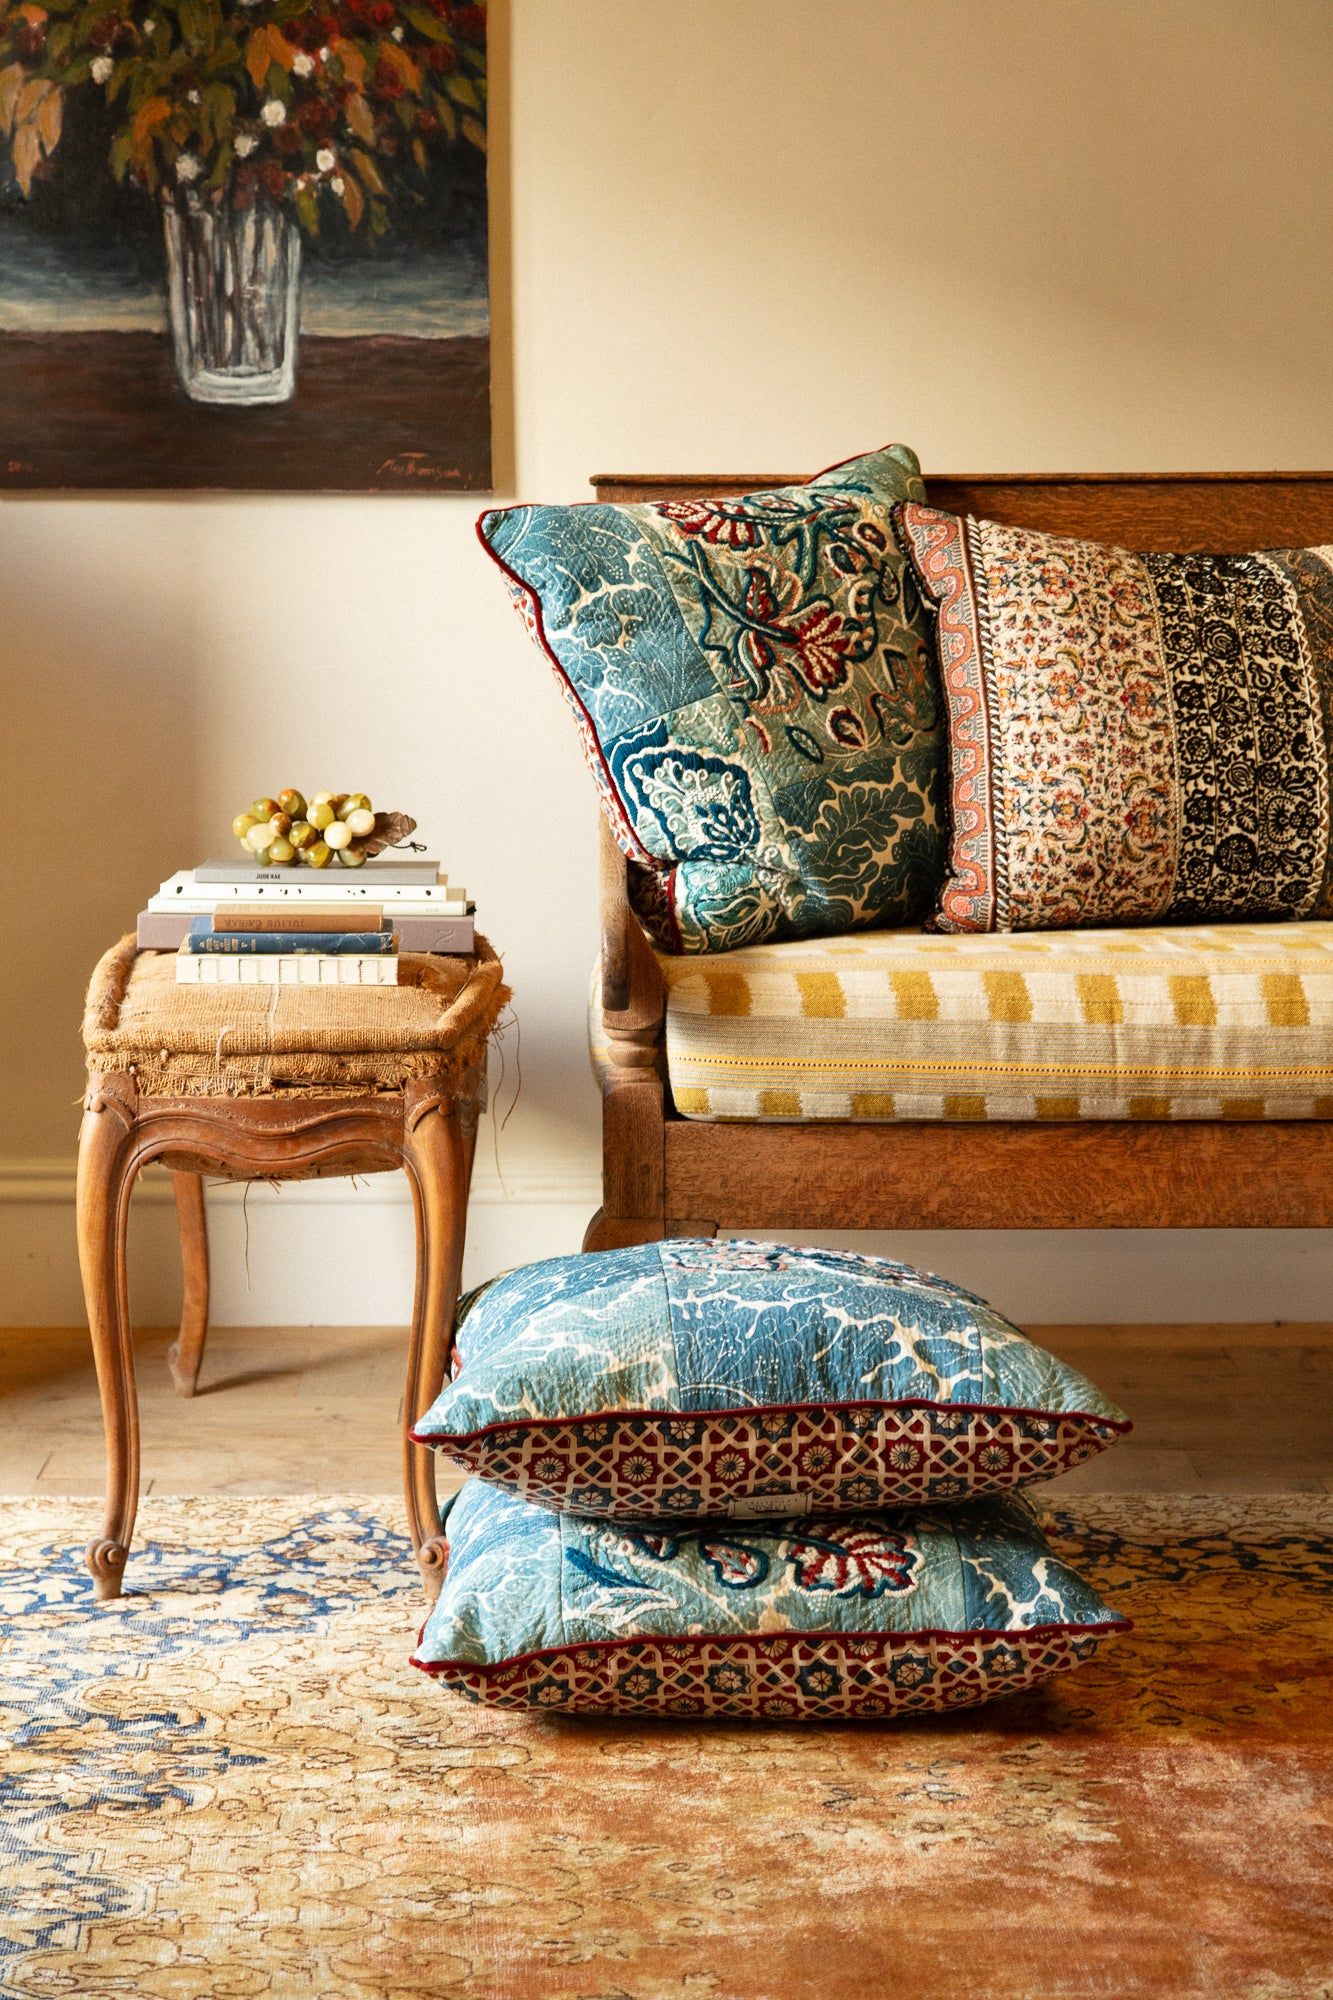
450,936
292,916
399,868
185,891
205,942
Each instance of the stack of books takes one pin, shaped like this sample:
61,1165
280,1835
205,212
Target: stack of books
236,923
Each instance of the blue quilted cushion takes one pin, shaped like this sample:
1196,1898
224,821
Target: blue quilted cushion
754,687
737,1379
838,1616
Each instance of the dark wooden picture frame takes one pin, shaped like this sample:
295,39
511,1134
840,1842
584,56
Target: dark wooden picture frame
243,246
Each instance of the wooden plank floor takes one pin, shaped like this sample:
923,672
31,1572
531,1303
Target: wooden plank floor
1234,1409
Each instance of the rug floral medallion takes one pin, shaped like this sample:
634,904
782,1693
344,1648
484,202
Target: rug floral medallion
231,1783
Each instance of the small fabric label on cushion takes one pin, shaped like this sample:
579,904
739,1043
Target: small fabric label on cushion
757,1504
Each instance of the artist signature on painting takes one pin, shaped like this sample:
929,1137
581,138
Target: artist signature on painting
16,467
417,465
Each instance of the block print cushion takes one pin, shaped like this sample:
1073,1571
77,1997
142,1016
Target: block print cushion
1132,738
740,1379
827,1616
753,686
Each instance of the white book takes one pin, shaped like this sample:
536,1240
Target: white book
288,969
314,885
395,908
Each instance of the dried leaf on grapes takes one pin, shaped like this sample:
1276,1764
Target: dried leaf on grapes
391,830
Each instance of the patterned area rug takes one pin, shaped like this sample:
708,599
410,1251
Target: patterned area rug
231,1784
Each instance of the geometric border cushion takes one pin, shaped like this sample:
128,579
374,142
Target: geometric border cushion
1132,738
741,1379
1150,1022
850,1616
754,691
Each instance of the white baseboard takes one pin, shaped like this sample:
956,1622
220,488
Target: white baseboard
306,1253
340,1253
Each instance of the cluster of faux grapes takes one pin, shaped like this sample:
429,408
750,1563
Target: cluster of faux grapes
277,833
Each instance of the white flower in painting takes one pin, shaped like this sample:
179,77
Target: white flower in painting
274,112
303,65
192,97
102,67
187,168
245,144
337,184
325,160
325,55
397,35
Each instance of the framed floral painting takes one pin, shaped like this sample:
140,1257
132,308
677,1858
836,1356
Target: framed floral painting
243,245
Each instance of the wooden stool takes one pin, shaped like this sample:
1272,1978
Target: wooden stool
275,1083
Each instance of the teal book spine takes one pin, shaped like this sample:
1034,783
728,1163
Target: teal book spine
205,942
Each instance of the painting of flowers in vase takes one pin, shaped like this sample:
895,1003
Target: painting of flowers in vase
243,244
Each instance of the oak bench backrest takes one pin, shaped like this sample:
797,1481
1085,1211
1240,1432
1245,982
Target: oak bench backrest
1227,512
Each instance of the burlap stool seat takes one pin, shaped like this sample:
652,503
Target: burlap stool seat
244,1041
275,1083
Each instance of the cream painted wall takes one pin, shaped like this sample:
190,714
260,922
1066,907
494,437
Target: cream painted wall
1021,234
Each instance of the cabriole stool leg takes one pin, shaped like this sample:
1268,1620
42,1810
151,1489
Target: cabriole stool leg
106,1175
187,1350
438,1158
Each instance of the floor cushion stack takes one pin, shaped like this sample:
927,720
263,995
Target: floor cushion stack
749,1479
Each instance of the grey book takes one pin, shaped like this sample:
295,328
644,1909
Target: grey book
398,868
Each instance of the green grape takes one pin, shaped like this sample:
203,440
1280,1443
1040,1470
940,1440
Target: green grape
361,820
259,836
292,804
302,833
318,856
281,852
338,834
260,856
320,815
321,799
281,823
352,857
354,802
263,809
242,824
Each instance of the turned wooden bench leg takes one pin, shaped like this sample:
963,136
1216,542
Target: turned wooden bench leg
438,1148
107,1168
187,1350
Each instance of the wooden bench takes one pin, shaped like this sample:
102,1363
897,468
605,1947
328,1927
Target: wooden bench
667,1175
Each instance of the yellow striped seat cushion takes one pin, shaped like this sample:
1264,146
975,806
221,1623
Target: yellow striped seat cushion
1191,1021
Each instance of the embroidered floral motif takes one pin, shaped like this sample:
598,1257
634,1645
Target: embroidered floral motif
863,1562
735,668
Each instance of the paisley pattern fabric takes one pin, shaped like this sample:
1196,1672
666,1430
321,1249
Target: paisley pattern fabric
847,1616
741,1379
1132,738
753,687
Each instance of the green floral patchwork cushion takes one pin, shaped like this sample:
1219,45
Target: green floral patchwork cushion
862,1615
740,1379
753,684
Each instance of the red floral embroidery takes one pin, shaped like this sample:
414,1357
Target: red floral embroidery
867,1562
718,525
